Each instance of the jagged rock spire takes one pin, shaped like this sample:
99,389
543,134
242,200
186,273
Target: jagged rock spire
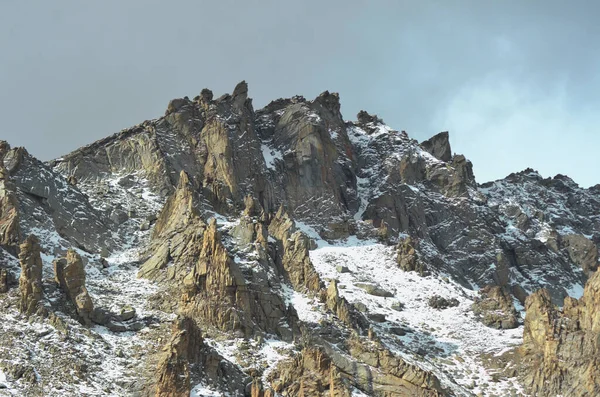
30,282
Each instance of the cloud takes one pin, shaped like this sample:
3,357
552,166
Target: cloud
505,125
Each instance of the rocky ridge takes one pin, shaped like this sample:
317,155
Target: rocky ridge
290,252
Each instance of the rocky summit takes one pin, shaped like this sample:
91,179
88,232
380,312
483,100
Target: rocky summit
220,250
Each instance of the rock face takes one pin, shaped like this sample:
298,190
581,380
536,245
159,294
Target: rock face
560,348
235,220
292,253
70,276
496,308
30,282
185,357
10,232
183,350
408,258
439,146
41,190
177,234
319,372
217,292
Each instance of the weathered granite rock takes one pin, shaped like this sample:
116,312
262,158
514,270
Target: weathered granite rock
495,308
177,234
408,258
217,292
345,311
311,373
30,282
41,190
10,232
582,251
439,146
321,371
183,350
316,179
292,253
69,274
560,349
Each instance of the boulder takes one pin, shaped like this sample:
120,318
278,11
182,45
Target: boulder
374,289
439,302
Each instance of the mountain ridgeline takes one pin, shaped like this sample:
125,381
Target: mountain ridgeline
221,250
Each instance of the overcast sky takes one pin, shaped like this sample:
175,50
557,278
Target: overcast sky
516,83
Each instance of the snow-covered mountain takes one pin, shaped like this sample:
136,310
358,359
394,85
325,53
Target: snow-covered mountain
223,251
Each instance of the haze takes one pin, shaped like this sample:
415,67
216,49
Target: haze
516,83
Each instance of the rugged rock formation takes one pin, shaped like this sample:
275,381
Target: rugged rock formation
183,350
560,348
137,203
496,308
374,370
30,282
408,258
186,357
439,146
311,373
292,253
177,234
69,274
344,310
3,281
10,232
582,251
218,293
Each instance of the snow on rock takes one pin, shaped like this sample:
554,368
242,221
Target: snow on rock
270,155
448,341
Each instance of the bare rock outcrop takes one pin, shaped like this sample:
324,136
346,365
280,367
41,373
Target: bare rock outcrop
343,309
292,253
185,359
30,282
310,373
408,258
4,281
217,292
322,371
439,146
69,274
495,308
582,251
10,232
177,234
560,348
183,350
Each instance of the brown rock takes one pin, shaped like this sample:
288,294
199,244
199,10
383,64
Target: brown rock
408,259
439,146
293,256
216,291
561,354
10,233
183,350
177,234
30,282
582,252
3,281
495,308
70,276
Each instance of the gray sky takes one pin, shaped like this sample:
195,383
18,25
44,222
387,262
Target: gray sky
516,83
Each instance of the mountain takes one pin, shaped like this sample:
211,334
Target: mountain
224,251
